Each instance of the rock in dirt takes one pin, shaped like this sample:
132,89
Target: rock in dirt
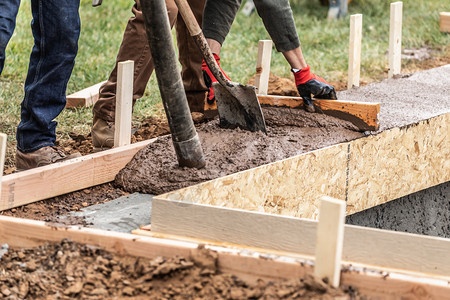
69,270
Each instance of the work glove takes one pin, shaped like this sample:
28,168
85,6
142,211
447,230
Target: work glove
308,83
209,79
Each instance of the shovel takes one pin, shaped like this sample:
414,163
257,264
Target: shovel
237,104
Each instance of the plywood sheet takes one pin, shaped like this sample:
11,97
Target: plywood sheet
398,162
289,187
365,172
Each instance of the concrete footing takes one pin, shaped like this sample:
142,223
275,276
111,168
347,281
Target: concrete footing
425,212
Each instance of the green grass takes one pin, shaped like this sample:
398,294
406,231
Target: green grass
324,44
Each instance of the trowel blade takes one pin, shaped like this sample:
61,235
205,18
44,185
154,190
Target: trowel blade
238,106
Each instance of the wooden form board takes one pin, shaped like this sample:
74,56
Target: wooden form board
444,21
85,97
249,265
395,39
365,172
364,115
64,177
381,248
354,51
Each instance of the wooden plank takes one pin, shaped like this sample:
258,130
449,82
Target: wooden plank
249,265
382,248
3,138
64,177
380,283
329,240
291,187
124,103
444,21
263,66
364,115
395,39
354,51
85,97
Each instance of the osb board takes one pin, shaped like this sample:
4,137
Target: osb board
282,187
366,172
398,162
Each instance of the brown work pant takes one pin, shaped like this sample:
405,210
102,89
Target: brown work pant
135,47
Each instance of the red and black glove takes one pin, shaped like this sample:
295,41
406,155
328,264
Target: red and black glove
308,83
209,79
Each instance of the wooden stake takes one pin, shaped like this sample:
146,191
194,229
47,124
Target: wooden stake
263,66
444,21
395,39
354,51
330,240
2,157
124,103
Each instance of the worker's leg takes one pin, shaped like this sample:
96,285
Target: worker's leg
191,60
279,22
8,13
219,16
134,47
56,28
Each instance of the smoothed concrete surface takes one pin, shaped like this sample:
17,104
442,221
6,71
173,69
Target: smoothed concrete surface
425,212
123,214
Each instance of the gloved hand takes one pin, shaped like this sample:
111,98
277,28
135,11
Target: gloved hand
209,79
308,83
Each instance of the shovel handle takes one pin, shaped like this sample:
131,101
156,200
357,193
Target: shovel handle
200,40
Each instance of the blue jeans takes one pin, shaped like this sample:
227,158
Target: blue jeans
56,28
8,13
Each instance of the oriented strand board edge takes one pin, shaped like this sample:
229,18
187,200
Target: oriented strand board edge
64,177
400,157
444,21
405,160
329,240
361,245
282,187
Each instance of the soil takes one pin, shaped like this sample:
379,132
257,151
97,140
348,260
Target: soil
69,270
290,132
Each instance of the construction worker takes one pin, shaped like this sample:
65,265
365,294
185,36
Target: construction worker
135,47
279,22
56,28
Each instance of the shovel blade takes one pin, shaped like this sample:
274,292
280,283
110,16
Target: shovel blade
238,106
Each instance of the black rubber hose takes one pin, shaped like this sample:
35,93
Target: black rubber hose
184,136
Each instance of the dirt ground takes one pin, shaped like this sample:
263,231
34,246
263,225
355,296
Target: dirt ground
69,270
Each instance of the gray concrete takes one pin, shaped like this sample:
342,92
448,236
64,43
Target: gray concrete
425,212
123,214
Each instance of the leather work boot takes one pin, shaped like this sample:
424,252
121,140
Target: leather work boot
102,133
41,157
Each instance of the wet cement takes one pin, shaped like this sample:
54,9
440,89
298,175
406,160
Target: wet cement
290,132
408,100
